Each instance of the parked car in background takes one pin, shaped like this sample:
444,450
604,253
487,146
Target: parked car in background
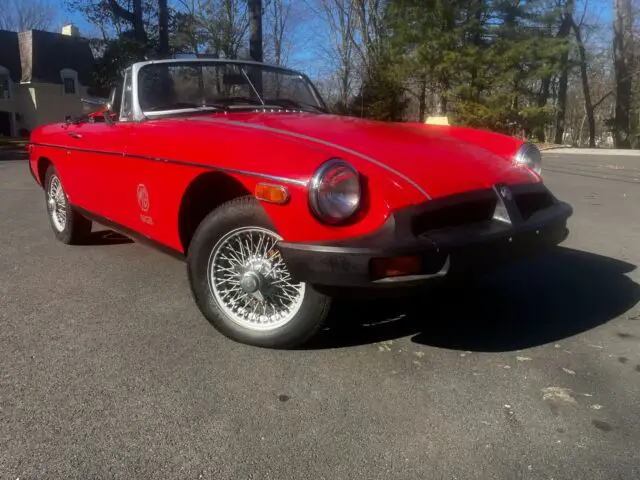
278,205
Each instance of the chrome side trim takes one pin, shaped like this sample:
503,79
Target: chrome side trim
413,278
276,178
321,142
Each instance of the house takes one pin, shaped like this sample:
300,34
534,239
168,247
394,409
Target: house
43,76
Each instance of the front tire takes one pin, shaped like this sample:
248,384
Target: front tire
242,285
68,225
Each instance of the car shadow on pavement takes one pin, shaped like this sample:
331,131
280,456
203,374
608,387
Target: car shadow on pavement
529,303
106,237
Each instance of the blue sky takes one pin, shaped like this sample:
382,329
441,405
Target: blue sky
304,56
601,10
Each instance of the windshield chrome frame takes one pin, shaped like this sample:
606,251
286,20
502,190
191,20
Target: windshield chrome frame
139,115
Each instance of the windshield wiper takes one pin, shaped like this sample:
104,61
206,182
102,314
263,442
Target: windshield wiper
288,103
176,107
238,102
213,106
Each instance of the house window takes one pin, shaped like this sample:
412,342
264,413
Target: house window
69,81
69,86
5,84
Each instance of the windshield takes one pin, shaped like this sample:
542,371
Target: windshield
169,87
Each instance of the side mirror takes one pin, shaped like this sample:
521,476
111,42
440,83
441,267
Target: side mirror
102,109
97,103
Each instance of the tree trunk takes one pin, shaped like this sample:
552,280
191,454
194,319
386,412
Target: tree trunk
584,118
255,30
543,97
423,100
344,88
138,23
588,106
163,27
255,41
443,96
563,33
561,107
621,45
134,17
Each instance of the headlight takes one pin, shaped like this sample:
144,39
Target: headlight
528,155
334,194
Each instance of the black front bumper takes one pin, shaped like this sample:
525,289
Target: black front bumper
457,235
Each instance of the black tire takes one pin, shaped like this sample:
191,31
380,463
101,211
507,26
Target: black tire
76,228
238,213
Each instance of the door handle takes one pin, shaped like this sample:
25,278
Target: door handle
74,135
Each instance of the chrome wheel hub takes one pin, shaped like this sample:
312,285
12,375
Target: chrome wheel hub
250,282
57,204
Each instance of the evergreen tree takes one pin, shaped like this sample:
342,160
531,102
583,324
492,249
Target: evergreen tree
489,62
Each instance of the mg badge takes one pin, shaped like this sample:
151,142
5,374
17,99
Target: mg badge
506,193
143,198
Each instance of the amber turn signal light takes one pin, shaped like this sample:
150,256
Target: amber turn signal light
396,266
272,193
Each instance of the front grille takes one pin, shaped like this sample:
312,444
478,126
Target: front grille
455,215
532,202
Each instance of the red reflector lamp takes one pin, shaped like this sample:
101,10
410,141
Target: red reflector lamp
395,266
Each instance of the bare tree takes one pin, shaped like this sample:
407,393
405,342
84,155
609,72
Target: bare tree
101,16
21,15
215,27
278,16
227,24
369,26
134,16
189,34
341,18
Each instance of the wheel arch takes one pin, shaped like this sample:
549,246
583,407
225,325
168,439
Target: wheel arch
42,166
204,194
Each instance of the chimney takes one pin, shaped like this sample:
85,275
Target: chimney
70,30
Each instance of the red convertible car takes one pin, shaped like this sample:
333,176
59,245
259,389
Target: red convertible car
278,205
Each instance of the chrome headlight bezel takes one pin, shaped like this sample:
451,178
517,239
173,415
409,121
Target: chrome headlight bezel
328,210
529,156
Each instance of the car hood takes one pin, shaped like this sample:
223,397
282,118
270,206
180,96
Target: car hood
436,162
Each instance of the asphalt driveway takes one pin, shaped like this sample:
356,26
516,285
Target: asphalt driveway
107,369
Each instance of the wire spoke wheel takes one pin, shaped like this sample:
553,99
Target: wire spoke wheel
57,203
250,281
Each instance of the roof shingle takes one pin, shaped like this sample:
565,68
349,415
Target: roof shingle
10,54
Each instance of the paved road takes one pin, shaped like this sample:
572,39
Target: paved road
107,369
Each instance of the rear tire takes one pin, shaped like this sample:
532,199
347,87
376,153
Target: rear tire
68,225
241,284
